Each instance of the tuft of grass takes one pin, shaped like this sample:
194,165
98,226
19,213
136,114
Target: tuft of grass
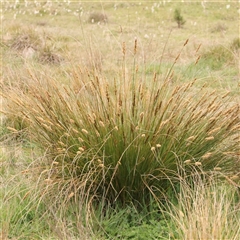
98,17
235,45
107,146
31,45
47,56
122,138
217,57
25,39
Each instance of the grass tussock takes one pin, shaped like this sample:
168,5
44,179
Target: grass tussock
218,56
30,44
235,45
101,143
98,17
24,39
122,138
47,56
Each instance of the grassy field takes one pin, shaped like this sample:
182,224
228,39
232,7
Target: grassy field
118,124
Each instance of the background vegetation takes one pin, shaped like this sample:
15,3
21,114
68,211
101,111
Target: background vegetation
117,124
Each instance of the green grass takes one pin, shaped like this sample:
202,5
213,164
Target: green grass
104,124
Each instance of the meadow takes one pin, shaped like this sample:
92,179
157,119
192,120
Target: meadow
119,123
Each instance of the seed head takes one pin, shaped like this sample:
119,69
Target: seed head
99,160
135,47
206,155
81,149
187,161
209,138
217,169
84,131
101,124
153,149
198,48
71,121
158,145
235,177
197,60
97,133
214,131
48,180
47,127
198,164
61,143
59,149
123,48
226,94
186,42
71,195
181,214
67,134
26,194
75,130
190,138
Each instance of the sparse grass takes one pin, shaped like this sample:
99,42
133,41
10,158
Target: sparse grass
205,209
97,140
219,27
218,57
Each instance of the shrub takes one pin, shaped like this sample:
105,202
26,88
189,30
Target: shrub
179,18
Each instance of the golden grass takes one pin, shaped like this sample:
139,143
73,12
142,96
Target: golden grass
206,209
